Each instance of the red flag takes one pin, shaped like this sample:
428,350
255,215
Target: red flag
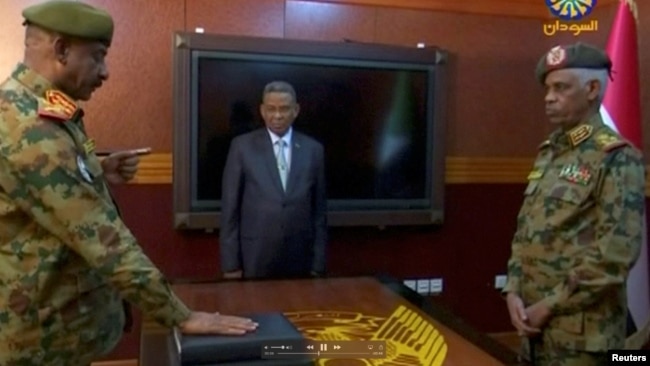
623,100
621,109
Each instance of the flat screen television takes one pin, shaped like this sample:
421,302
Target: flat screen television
378,110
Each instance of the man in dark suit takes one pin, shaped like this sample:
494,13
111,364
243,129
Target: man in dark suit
273,216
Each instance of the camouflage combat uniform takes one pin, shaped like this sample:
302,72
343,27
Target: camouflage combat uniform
66,258
579,233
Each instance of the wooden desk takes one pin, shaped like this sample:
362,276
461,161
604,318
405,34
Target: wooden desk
418,332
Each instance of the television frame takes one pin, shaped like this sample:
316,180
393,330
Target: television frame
185,43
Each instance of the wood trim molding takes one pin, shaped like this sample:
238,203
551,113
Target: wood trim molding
470,170
157,169
154,169
116,363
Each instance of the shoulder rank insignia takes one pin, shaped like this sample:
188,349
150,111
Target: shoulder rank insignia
609,142
579,134
535,174
576,174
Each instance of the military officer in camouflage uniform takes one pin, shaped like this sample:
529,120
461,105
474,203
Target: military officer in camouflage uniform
579,228
66,258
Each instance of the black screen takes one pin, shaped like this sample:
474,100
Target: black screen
372,118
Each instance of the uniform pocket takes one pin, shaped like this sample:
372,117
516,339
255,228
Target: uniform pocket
565,205
569,193
573,323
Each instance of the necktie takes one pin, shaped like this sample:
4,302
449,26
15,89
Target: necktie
282,163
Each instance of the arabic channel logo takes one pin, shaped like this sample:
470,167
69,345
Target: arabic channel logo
571,9
568,14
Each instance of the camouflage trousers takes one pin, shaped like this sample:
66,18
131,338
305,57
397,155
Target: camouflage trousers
547,354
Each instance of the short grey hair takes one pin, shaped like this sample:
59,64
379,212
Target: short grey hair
280,87
587,75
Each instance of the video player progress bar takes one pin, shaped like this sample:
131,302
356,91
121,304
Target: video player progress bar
324,349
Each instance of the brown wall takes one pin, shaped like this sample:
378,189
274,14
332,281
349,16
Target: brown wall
494,111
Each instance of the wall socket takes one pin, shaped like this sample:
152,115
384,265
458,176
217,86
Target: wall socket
435,285
412,284
500,281
425,286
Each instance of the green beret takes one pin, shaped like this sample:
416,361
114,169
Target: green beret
578,55
71,18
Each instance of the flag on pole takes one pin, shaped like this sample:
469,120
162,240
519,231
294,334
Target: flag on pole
621,110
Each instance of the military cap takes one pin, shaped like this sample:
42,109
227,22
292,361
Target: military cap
71,18
578,55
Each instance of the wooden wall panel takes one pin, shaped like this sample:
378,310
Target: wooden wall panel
515,8
495,106
518,8
134,108
12,34
239,17
329,22
464,170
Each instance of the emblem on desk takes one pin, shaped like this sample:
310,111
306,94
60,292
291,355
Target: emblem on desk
423,343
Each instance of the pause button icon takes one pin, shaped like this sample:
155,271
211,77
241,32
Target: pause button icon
323,347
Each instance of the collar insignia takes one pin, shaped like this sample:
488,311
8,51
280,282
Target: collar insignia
57,106
53,111
579,134
59,98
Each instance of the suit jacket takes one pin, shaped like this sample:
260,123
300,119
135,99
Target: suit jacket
265,231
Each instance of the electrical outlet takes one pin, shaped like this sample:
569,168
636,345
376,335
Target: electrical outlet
412,284
435,285
423,287
500,281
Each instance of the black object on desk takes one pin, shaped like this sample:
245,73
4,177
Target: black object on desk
208,350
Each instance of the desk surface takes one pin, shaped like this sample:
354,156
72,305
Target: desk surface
420,332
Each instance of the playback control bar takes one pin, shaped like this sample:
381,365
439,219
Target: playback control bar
323,349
